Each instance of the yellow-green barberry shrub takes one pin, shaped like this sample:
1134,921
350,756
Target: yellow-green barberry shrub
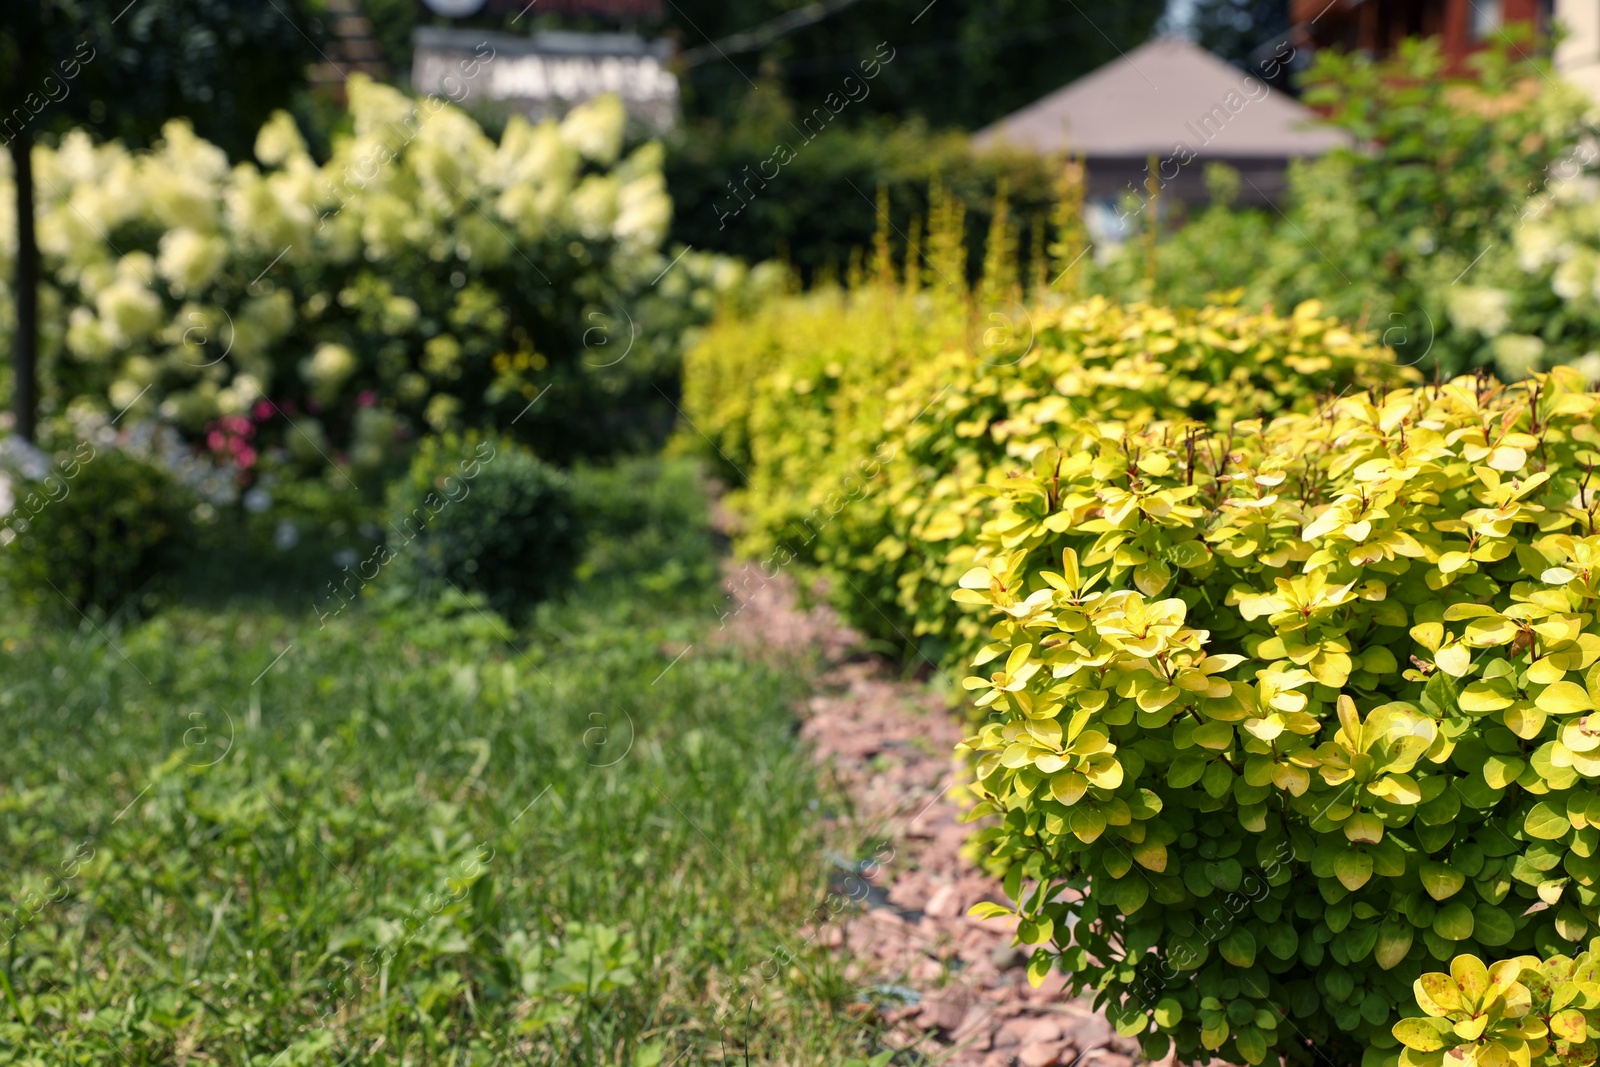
871,428
1296,707
1523,1011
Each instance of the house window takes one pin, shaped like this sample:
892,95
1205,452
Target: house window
1483,18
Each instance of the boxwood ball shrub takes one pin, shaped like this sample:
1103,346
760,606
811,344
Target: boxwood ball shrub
484,515
89,527
1283,714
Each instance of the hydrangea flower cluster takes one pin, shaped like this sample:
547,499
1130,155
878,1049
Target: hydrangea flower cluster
423,264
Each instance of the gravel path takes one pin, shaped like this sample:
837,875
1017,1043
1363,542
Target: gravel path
966,1000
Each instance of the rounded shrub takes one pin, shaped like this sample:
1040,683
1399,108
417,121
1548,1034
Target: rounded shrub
1281,715
484,515
90,527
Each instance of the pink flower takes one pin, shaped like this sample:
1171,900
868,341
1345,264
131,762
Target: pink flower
246,458
263,410
215,440
366,398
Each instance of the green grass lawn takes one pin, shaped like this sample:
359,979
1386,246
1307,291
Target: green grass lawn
413,836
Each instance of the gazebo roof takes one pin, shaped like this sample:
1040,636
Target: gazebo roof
1165,93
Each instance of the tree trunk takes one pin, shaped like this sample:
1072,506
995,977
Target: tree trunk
25,384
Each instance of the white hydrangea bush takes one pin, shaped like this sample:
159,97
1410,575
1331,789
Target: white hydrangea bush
1536,304
423,272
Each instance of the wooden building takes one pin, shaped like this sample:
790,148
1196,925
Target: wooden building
1378,26
1462,27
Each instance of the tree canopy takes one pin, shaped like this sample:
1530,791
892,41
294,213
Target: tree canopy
122,69
954,64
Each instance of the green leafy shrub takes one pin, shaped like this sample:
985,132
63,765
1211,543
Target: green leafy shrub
1296,706
484,515
647,528
1457,224
818,210
1521,1011
1410,216
88,528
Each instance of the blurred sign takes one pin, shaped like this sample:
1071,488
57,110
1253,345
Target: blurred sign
455,9
546,74
610,9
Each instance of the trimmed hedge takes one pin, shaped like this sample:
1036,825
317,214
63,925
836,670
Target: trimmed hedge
1295,707
869,428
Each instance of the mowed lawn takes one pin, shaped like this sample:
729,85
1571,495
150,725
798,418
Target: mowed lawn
415,835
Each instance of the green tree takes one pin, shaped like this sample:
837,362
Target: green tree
1243,32
121,69
888,79
1443,168
955,64
1416,229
